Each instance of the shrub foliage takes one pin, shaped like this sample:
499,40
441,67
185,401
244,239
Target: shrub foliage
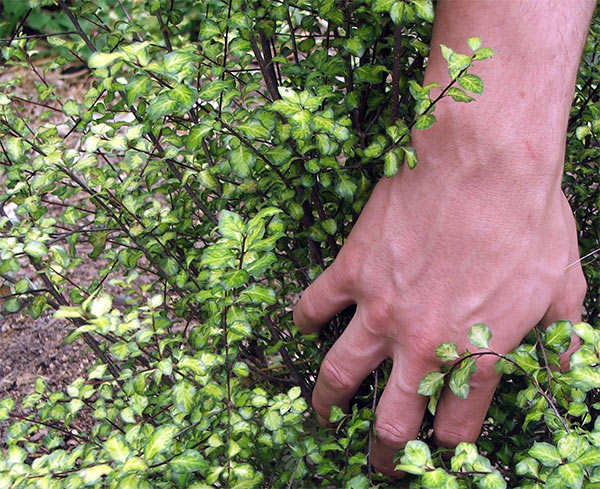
209,173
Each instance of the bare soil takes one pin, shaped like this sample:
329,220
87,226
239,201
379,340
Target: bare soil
30,348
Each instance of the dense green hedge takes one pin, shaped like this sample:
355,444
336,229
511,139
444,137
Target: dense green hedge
211,171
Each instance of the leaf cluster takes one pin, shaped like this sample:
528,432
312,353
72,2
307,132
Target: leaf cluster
211,170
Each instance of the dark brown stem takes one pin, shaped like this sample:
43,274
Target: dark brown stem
269,81
396,71
165,32
77,26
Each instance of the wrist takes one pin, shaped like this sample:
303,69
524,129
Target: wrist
466,146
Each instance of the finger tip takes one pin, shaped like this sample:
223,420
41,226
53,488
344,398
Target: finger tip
388,469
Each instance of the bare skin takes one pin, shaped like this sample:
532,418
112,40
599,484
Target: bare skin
480,231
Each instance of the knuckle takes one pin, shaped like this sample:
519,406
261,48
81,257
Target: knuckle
391,434
569,303
347,270
381,313
449,437
485,373
307,306
334,376
579,290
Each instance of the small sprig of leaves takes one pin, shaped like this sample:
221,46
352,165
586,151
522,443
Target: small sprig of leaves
458,65
457,375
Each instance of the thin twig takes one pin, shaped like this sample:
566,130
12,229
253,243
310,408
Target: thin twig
77,26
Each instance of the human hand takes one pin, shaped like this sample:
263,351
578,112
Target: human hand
426,260
480,231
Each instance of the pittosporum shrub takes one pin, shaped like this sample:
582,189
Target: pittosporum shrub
212,169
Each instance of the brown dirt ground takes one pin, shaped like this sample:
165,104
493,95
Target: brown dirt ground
30,348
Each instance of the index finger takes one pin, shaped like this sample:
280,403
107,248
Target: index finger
322,300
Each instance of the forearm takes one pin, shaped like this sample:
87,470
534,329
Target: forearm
517,127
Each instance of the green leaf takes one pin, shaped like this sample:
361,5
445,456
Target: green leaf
159,441
242,161
480,335
471,83
370,73
183,396
547,454
260,265
525,358
400,12
492,481
117,448
392,161
355,46
382,5
92,475
196,136
273,420
212,90
336,414
137,86
503,366
410,156
459,378
345,187
258,294
161,106
186,96
285,107
424,122
474,43
15,455
585,378
431,383
571,474
35,249
589,458
529,466
435,479
424,9
359,481
279,155
416,453
253,129
456,62
585,332
234,279
194,365
12,304
483,53
231,226
102,60
459,95
100,306
558,336
189,461
14,148
175,61
240,369
446,352
70,108
569,445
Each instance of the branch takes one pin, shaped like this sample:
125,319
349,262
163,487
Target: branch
270,82
77,26
396,71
